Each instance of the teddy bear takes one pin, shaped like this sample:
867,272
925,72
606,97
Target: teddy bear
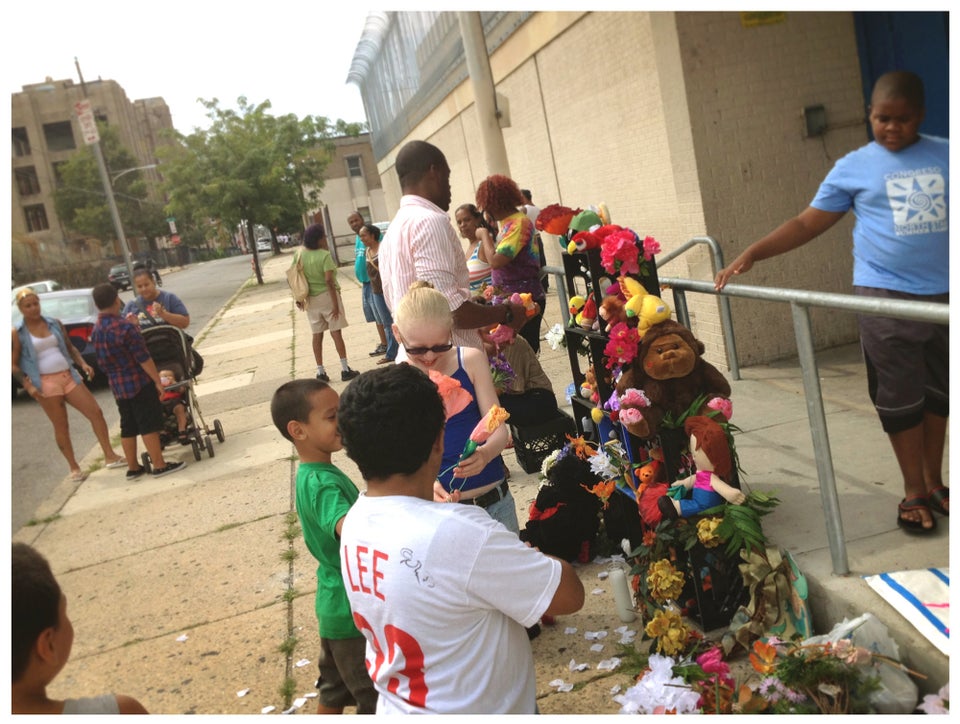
563,520
670,371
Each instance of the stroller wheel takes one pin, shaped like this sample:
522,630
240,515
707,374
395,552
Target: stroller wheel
145,461
218,429
196,449
209,444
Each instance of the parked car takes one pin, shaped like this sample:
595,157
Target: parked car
47,285
76,309
120,279
264,245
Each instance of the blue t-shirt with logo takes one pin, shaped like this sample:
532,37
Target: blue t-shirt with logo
901,201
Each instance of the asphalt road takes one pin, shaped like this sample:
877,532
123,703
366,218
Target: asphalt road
36,465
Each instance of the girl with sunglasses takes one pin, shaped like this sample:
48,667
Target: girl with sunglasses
423,324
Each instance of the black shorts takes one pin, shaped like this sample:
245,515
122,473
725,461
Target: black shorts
142,413
344,680
908,363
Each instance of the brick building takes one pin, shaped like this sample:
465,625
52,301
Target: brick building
46,133
684,123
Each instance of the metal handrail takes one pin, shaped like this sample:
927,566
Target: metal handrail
800,301
716,262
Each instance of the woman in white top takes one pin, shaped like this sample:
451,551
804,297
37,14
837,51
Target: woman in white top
42,361
473,227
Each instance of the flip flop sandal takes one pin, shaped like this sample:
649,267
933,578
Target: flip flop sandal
937,497
914,527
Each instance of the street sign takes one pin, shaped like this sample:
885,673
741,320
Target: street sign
88,124
173,225
175,239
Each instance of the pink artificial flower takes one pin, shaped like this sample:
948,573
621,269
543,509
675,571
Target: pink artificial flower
634,398
502,334
712,662
622,346
722,405
454,397
630,415
619,253
650,247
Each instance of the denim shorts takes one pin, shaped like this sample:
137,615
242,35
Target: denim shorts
368,313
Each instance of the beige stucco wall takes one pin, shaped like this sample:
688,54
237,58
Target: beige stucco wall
747,87
684,124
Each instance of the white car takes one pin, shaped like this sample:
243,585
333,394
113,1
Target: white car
264,245
47,285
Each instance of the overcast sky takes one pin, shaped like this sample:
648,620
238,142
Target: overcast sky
296,54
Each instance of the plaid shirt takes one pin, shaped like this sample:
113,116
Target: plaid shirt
120,349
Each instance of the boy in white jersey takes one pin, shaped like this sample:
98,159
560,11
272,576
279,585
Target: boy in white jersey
442,592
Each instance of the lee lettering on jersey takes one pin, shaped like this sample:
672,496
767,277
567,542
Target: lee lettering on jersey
363,569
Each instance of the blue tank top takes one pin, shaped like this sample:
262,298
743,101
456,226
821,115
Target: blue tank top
457,432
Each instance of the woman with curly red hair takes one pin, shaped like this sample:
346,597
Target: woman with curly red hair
514,258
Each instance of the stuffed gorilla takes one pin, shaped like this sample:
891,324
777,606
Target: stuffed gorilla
669,369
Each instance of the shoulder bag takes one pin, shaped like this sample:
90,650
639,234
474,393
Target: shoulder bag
299,285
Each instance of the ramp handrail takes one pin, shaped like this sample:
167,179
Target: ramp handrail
800,301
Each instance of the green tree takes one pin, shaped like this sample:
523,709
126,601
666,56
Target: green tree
81,202
248,167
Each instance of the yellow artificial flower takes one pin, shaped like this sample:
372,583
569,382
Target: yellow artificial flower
668,629
665,581
707,532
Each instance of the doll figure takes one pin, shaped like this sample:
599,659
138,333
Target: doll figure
711,455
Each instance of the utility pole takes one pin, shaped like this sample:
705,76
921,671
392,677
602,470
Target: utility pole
484,92
93,139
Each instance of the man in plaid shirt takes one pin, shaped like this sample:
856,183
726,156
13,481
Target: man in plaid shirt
123,357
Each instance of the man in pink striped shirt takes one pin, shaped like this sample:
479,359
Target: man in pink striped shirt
420,244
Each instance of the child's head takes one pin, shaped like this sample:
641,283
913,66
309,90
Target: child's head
897,107
305,413
314,237
391,419
424,322
105,296
168,377
39,609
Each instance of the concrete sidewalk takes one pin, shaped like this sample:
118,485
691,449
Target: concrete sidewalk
191,588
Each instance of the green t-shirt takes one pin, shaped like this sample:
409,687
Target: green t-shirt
324,495
316,264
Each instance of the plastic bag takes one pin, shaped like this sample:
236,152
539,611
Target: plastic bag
898,694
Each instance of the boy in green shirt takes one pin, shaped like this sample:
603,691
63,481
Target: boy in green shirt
305,412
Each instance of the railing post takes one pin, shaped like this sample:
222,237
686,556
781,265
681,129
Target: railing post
683,312
821,440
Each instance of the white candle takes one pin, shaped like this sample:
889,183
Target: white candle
621,594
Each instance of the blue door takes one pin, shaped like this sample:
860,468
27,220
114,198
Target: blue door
909,41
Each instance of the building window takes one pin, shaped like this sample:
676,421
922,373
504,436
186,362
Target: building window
354,166
21,142
59,136
36,218
27,181
364,212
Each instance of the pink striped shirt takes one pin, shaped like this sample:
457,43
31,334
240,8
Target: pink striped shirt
420,244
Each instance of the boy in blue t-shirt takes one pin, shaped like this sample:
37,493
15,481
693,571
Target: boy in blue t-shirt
305,413
898,188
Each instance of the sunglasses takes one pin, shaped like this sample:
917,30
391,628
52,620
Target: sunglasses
436,349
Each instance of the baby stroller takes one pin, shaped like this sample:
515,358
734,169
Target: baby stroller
172,349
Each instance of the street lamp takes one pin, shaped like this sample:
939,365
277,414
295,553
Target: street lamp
115,213
131,170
